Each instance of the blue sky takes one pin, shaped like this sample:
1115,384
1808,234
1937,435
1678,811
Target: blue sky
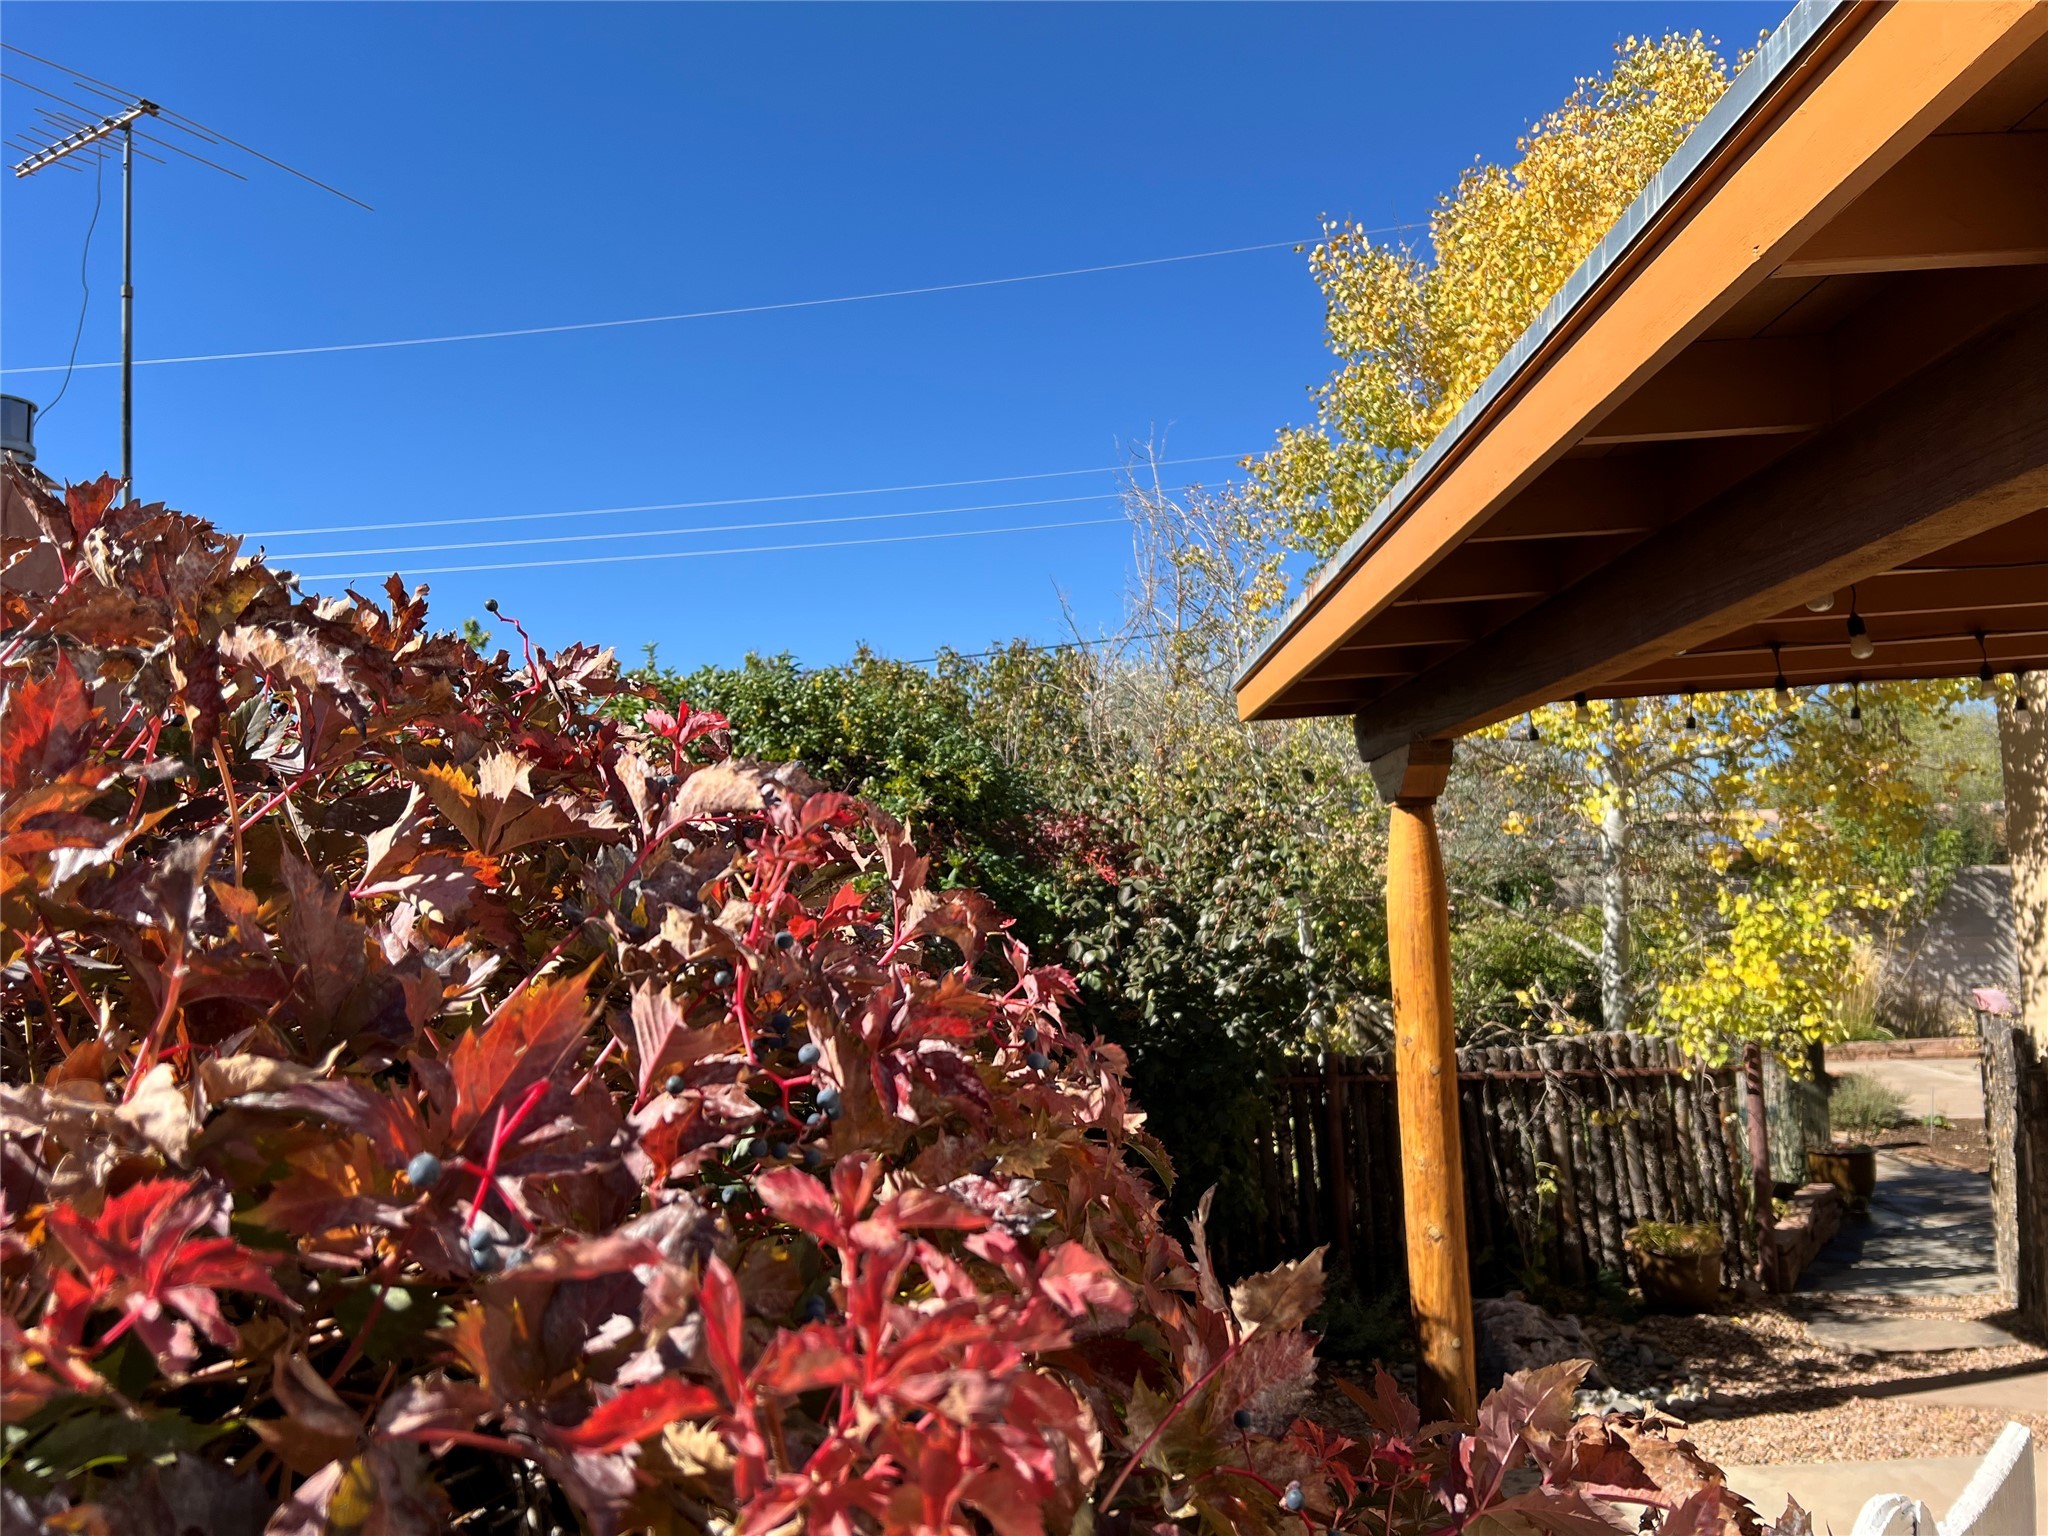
538,165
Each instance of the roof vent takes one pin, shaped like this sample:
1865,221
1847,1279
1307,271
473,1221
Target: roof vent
18,427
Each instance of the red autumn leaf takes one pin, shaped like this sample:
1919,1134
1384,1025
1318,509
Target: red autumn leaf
803,1202
527,1041
47,720
724,1327
145,1254
637,1413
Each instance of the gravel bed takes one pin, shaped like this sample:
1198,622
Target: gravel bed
1762,1360
1867,1429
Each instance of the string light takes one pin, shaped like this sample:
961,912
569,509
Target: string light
2020,706
1861,646
1822,604
1983,672
1529,731
1581,710
1856,710
1692,721
1779,687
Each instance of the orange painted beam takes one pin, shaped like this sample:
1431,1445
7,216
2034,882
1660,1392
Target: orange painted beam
1959,200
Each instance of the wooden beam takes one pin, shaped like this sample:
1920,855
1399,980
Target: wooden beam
1426,1084
1954,452
1577,497
1807,665
1766,387
1959,200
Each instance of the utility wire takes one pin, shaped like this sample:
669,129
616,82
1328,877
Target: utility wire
85,287
663,533
702,554
1032,649
699,314
727,501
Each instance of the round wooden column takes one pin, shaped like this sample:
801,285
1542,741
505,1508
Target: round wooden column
1426,1086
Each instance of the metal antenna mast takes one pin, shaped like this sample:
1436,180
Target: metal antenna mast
86,139
81,141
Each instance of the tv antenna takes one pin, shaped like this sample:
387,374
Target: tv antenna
85,133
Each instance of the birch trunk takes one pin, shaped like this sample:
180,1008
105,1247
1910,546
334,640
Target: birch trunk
1616,1000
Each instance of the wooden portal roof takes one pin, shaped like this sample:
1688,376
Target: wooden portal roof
1811,360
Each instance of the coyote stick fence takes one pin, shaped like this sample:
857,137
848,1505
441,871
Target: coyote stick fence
1568,1143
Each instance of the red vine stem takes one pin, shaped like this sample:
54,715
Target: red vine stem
1160,1428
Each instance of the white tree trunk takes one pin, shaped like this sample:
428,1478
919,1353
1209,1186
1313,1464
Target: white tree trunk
1615,992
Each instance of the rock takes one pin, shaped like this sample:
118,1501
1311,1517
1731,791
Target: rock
1517,1335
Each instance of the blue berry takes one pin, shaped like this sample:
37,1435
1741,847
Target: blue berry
817,1309
674,1084
483,1253
813,1158
785,940
423,1170
1031,1034
732,1194
1292,1500
778,1023
809,1053
1242,1418
721,979
828,1100
814,1120
1037,1061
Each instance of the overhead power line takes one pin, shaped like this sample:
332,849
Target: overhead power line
699,314
663,533
729,501
706,554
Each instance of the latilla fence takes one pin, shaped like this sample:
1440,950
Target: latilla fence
1567,1145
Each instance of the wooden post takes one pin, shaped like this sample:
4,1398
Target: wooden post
1426,1082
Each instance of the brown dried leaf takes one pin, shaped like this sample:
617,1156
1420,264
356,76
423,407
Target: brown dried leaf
1281,1298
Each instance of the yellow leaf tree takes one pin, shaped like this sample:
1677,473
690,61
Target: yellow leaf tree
1737,850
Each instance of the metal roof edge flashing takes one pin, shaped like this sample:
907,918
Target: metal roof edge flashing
1775,57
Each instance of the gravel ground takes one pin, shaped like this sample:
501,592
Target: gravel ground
1868,1429
1775,1395
1958,1144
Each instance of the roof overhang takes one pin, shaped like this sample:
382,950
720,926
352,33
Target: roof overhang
1812,355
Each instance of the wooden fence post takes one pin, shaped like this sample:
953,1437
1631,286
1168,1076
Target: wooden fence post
1336,1159
1426,1082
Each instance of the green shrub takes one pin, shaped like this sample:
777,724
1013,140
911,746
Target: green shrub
1676,1239
1861,1104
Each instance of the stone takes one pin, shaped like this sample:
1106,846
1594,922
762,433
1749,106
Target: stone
1906,1335
1517,1335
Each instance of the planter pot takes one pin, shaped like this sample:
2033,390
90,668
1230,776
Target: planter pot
1678,1282
1852,1170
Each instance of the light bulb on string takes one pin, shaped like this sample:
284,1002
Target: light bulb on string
1822,604
1984,673
1856,711
2020,706
1861,646
1692,721
1582,711
1780,689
